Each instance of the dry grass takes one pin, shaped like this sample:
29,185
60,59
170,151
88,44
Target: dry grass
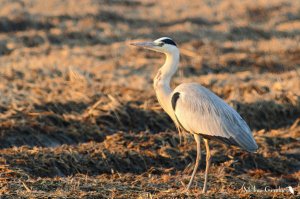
79,117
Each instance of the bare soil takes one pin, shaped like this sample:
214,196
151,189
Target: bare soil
79,117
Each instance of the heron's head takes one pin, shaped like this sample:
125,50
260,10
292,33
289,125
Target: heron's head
164,45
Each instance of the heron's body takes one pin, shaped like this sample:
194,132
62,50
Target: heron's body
196,109
210,116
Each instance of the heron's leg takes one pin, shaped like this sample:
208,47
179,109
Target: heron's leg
208,160
198,158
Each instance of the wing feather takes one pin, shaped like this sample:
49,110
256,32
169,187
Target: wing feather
200,111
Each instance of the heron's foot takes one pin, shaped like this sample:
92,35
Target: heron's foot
204,190
189,185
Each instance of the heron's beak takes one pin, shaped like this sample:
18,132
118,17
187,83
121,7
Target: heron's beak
145,44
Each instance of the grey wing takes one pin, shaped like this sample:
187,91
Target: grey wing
200,111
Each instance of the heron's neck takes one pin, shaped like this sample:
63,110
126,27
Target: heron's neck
163,78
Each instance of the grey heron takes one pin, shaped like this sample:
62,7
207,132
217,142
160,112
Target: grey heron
196,109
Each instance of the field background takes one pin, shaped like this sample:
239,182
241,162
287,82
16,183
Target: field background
79,117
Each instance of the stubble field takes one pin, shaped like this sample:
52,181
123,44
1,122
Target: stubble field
79,117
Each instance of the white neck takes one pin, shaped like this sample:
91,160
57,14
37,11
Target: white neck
162,81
